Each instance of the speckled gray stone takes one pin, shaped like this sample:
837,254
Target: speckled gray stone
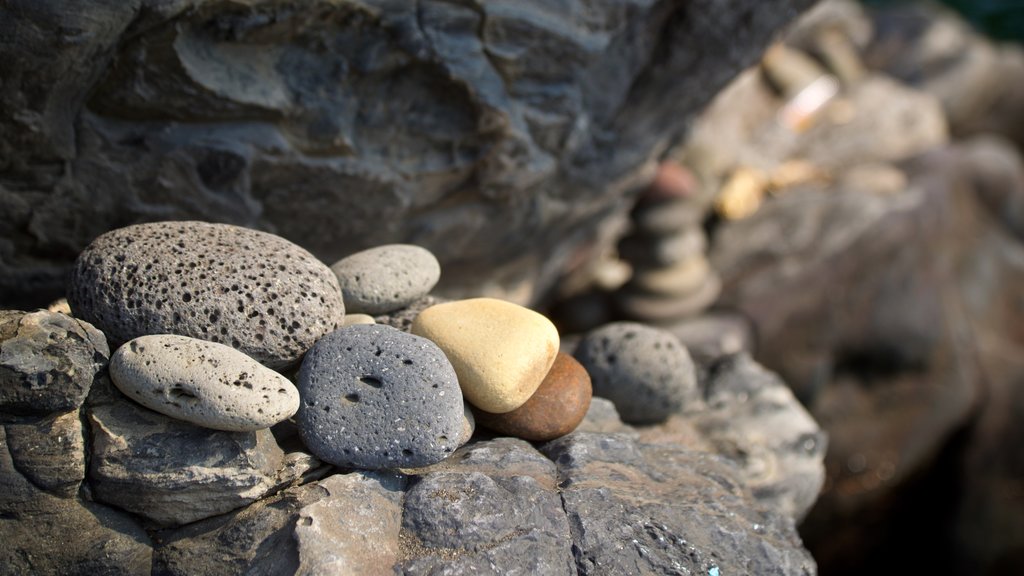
375,397
645,371
205,383
404,317
386,278
253,291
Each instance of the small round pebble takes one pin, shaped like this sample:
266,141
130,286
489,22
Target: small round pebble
386,278
500,350
253,291
205,383
663,309
680,279
554,410
645,371
374,397
351,319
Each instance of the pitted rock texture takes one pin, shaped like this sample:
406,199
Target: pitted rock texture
47,363
253,291
497,135
386,278
375,397
205,383
645,371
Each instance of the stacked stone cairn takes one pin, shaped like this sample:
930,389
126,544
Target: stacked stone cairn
672,279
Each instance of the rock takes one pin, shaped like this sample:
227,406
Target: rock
60,306
50,453
554,410
711,336
491,508
44,534
683,278
645,371
603,418
666,217
251,290
500,351
386,278
376,397
665,310
468,423
47,363
641,509
172,472
681,245
188,110
205,383
351,319
403,319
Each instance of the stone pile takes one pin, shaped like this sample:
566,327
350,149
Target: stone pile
672,279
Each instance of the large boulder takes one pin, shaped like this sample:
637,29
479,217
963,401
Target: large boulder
498,135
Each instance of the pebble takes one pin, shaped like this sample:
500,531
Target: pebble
667,216
644,371
680,279
205,383
500,350
658,309
665,251
404,317
554,410
352,319
386,278
374,397
253,291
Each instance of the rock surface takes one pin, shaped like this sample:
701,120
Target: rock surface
251,290
375,397
386,278
500,351
47,363
530,123
50,453
205,383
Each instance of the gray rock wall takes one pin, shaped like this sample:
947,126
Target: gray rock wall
499,135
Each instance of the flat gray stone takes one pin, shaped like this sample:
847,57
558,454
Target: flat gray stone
50,452
375,397
205,383
253,291
386,278
404,317
645,371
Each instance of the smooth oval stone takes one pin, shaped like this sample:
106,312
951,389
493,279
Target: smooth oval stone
663,309
351,319
554,410
386,278
663,251
375,397
500,350
205,383
644,371
253,291
666,217
680,279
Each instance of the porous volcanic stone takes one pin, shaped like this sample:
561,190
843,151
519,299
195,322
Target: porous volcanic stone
376,397
253,291
500,350
47,362
554,410
645,371
386,278
202,382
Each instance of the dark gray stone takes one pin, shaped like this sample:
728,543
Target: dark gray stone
497,135
47,363
645,509
50,452
645,371
403,318
665,251
376,397
253,291
386,278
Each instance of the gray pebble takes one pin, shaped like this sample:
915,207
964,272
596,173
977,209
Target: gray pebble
207,384
253,291
386,278
375,397
644,371
404,317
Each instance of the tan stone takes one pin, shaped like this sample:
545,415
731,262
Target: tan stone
351,319
501,351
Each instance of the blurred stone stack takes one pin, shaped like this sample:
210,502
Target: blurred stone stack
672,279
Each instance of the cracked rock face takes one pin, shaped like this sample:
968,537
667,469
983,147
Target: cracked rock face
498,135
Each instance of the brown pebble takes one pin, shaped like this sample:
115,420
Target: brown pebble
554,410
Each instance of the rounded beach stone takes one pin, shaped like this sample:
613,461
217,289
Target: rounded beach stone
554,410
253,291
663,251
661,309
375,397
205,383
386,278
666,217
682,279
500,350
644,371
352,319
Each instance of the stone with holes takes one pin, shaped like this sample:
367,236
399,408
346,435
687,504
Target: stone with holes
375,397
205,383
386,278
254,291
645,371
